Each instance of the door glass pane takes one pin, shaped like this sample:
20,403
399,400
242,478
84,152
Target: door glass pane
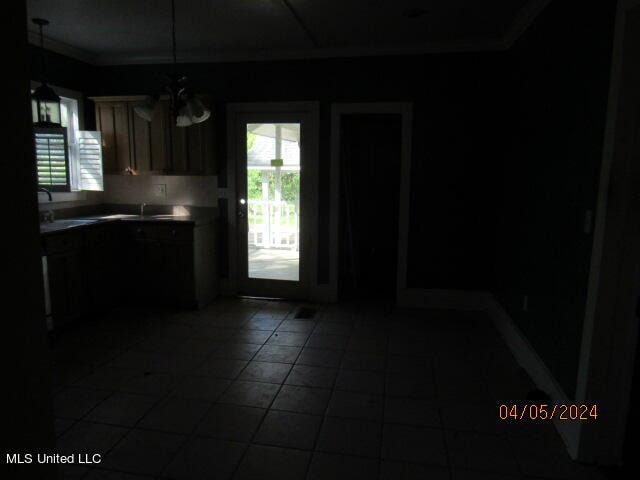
273,193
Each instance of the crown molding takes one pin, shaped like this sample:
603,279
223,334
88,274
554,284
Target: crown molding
62,48
480,45
520,24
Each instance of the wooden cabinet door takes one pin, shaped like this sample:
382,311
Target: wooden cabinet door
60,309
151,147
160,269
67,286
140,135
112,119
149,141
192,149
159,139
105,124
102,253
177,269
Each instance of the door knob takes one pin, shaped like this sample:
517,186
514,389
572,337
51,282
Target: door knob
242,207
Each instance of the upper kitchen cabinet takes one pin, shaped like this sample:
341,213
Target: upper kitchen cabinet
192,149
112,120
156,147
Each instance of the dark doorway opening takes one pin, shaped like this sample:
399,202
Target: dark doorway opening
369,196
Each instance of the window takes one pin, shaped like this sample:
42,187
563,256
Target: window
68,159
52,159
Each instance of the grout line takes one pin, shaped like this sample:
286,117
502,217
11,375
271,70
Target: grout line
384,402
143,325
192,434
268,408
161,398
326,409
249,443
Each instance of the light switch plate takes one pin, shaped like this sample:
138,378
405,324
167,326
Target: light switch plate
160,191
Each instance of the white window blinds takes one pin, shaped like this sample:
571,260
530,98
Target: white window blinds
52,158
89,146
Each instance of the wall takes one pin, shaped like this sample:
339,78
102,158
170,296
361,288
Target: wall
199,191
61,70
559,74
457,151
457,105
27,424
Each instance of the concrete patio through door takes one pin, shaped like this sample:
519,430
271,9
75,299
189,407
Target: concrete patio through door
273,263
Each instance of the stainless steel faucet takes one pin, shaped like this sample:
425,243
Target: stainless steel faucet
44,190
47,217
142,209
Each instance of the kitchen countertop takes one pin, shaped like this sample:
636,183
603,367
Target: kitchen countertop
72,223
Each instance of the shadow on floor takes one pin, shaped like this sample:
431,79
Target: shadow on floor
242,389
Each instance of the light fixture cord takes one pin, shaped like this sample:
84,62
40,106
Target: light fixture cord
173,30
41,55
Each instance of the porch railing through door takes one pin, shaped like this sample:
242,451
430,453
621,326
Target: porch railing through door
273,224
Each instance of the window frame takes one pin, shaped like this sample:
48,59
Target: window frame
77,123
62,131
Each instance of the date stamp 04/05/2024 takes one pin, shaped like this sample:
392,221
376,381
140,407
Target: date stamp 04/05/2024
543,411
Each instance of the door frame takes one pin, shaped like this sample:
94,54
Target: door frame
405,110
610,332
308,113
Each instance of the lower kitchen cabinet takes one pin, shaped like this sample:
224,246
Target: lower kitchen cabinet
103,251
69,298
173,264
95,268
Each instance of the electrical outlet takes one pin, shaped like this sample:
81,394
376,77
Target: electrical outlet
160,191
525,303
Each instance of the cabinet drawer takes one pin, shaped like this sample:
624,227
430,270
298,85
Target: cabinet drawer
175,232
161,231
61,242
142,231
99,234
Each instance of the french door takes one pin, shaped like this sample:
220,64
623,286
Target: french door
275,190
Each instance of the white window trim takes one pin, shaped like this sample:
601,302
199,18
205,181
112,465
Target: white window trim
73,195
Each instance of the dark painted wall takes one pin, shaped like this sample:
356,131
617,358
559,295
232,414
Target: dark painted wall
368,243
559,75
457,150
457,101
65,72
506,155
27,417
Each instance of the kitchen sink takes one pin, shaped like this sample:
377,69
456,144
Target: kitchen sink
66,223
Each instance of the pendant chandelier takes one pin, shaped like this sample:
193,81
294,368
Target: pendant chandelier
184,107
45,103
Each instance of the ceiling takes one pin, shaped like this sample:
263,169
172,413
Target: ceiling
124,31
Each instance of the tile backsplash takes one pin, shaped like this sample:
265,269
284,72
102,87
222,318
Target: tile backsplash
198,191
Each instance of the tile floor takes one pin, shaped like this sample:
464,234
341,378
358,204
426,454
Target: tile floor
244,390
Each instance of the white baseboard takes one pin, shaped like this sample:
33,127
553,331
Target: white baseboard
528,358
522,350
442,299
